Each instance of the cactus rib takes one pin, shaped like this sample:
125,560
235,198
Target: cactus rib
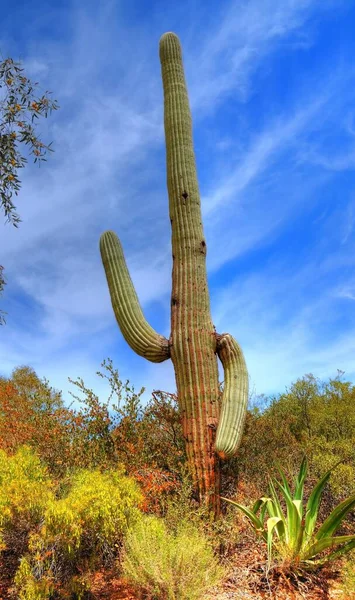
135,329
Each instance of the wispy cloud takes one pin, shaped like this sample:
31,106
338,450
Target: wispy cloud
108,172
247,33
287,321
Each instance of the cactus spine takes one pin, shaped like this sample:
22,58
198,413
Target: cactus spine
211,428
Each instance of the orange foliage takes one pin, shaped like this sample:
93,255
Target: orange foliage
32,413
147,440
156,485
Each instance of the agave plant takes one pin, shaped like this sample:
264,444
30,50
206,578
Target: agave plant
292,533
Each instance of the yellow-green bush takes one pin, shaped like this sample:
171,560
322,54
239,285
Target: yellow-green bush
326,454
169,565
97,510
29,586
79,532
221,533
25,492
43,586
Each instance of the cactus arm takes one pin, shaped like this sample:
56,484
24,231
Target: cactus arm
135,329
235,396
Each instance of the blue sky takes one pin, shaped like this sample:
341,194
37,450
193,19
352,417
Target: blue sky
272,91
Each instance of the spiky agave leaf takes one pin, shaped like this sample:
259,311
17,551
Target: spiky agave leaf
271,524
299,488
332,523
295,532
256,522
293,516
327,543
313,504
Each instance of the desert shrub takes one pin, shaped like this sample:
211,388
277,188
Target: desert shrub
121,429
91,430
222,534
267,440
43,584
32,413
157,486
97,434
312,417
98,506
29,587
25,492
165,443
170,565
147,440
80,531
326,453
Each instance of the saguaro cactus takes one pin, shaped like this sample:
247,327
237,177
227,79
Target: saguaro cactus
212,427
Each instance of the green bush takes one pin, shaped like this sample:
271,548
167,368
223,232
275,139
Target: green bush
312,417
222,534
168,565
325,454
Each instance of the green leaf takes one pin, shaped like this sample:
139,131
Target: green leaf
326,543
263,511
257,523
300,539
274,509
262,503
259,503
340,551
293,518
276,499
313,503
298,505
271,524
284,480
298,495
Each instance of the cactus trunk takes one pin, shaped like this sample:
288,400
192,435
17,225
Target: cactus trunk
194,344
193,340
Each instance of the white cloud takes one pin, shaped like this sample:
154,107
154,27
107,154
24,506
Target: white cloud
107,173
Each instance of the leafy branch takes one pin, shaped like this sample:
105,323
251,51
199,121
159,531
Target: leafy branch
20,106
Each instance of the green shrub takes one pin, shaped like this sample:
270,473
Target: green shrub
168,565
312,417
99,506
222,534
